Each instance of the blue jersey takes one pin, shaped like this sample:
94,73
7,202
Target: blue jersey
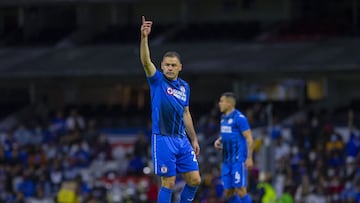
168,99
234,143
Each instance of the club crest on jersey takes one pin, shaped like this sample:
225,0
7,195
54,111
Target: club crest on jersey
163,169
179,94
230,121
182,88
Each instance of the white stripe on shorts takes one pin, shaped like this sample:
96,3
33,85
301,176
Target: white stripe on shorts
154,153
243,175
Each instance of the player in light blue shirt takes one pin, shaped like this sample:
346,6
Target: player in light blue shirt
172,125
236,143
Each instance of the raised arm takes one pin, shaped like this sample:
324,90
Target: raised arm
190,130
149,67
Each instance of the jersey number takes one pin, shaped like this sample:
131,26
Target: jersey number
237,177
194,156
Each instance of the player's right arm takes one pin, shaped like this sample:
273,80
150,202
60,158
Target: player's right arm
149,67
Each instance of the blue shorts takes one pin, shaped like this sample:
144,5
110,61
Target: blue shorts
172,155
234,175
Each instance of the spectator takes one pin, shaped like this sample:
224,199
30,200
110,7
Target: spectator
43,182
353,145
349,193
351,167
141,146
2,156
16,156
83,187
68,193
303,190
27,184
91,133
335,160
39,197
316,196
135,165
152,190
334,144
38,135
357,198
335,185
282,149
58,123
80,155
75,121
286,197
102,148
267,193
37,157
56,173
22,135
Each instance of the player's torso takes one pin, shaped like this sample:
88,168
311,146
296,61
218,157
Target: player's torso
169,99
234,144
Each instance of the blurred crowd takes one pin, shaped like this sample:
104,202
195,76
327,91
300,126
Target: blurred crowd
38,163
67,156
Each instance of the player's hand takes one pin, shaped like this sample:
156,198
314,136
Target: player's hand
218,144
249,163
145,27
196,147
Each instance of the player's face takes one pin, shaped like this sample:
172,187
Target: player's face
171,67
224,104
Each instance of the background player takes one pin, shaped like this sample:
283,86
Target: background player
236,143
171,123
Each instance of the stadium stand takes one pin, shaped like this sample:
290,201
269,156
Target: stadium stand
40,156
66,123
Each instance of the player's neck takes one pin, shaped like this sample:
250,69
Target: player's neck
229,111
171,79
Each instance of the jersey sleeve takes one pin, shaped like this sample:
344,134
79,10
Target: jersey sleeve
187,95
155,78
243,123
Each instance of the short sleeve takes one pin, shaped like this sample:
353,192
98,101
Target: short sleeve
243,123
155,78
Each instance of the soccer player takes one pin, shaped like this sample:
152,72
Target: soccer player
236,143
172,124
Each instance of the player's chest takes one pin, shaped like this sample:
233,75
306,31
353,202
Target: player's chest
175,92
227,125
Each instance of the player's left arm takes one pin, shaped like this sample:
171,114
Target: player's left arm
190,130
250,148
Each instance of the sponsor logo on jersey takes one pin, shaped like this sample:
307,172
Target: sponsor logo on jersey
179,94
226,129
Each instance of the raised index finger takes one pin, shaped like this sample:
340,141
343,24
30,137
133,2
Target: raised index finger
143,19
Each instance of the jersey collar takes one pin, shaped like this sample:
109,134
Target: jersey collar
230,114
